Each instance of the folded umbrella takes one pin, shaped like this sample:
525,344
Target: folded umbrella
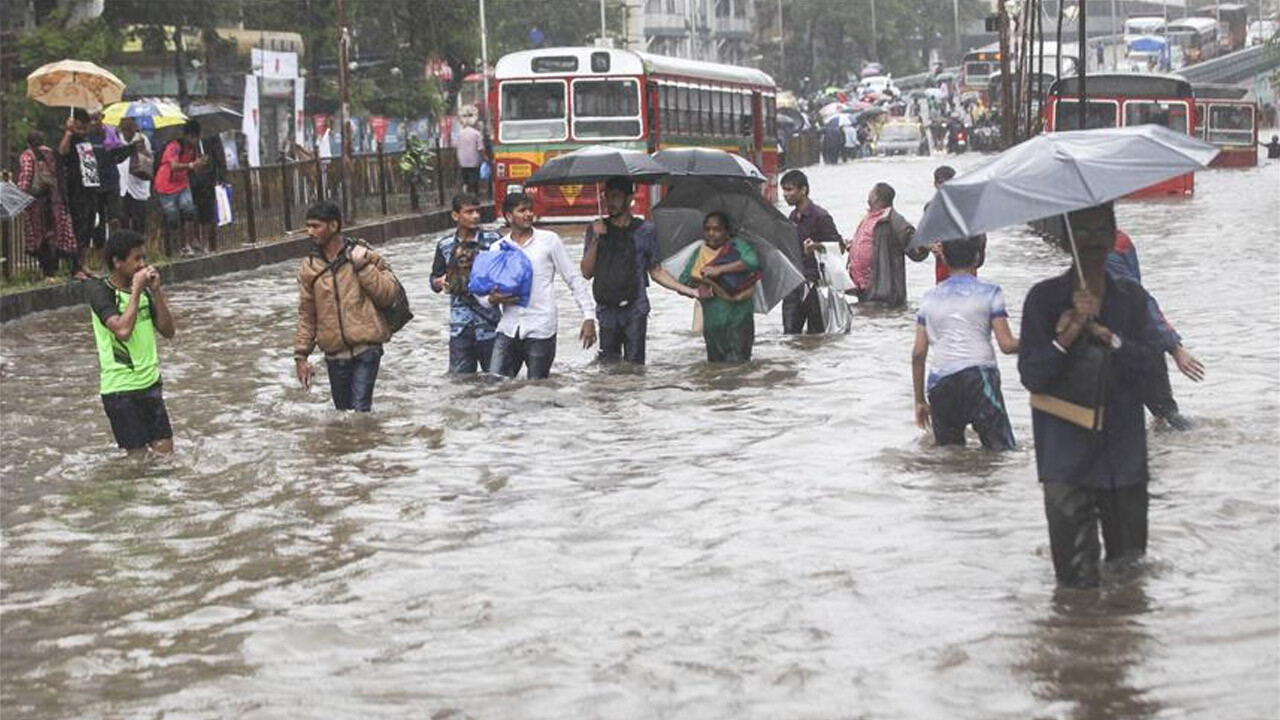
74,83
708,162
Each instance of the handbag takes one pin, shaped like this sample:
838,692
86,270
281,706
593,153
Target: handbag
42,178
1079,394
142,163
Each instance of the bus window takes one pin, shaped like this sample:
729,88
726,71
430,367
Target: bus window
1146,112
1230,125
770,118
695,108
1099,114
975,73
532,111
606,109
722,112
664,108
708,110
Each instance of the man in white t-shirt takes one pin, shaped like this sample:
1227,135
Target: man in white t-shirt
471,155
957,318
527,335
135,178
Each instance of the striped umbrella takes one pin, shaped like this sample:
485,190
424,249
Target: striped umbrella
149,113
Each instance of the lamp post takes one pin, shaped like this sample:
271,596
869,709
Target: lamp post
344,112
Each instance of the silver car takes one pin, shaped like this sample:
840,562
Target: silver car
902,139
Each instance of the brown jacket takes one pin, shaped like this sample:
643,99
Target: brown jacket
338,306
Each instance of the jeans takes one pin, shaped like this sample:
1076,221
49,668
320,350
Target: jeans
1074,513
351,379
177,208
799,309
466,352
622,334
535,354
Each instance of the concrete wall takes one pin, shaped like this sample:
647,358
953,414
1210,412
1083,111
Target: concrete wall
49,297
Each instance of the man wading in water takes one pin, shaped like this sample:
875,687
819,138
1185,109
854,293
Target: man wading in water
1091,476
128,308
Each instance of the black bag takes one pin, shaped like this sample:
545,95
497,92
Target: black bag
1079,394
397,314
617,281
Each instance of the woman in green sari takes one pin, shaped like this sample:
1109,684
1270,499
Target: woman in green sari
725,270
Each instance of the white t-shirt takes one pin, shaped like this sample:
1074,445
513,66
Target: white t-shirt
957,315
547,255
130,186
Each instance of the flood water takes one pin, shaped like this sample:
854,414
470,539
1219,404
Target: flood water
768,541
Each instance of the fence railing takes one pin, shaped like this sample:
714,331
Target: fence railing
270,201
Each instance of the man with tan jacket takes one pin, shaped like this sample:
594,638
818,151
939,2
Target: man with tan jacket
341,286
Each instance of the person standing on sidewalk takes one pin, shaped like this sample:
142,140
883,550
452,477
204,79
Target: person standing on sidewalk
471,155
135,178
527,335
814,227
472,327
173,187
128,308
620,256
341,286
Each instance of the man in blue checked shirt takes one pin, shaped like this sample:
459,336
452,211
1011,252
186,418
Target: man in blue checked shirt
472,327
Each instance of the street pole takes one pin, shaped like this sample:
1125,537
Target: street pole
875,44
484,70
603,33
782,45
955,9
1082,51
1006,96
344,114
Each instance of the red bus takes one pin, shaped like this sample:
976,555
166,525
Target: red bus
554,100
1123,100
1225,117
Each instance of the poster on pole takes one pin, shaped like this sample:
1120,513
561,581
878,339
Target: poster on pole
249,125
273,64
299,119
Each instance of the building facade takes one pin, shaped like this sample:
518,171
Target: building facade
709,30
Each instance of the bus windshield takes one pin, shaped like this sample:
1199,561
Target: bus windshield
1098,114
1165,114
975,72
1230,125
606,109
532,111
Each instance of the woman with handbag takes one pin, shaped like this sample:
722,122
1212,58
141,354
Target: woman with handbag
135,178
46,223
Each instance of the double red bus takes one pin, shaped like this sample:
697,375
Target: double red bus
1225,117
1124,100
554,100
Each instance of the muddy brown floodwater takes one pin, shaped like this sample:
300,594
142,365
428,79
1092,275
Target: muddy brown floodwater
768,541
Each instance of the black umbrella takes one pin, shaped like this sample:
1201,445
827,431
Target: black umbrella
214,118
598,163
708,162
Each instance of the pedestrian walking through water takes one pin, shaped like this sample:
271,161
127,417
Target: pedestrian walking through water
801,310
726,270
472,327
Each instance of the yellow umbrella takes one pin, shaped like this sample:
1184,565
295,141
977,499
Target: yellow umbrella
74,83
150,114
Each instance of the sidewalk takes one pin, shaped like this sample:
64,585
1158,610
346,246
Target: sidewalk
49,297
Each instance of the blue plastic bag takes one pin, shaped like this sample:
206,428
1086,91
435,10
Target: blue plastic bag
505,269
485,171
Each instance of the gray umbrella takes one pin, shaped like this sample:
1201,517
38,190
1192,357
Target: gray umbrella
597,163
215,118
1057,173
12,200
708,162
678,220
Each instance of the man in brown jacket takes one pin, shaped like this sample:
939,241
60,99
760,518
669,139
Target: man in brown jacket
342,284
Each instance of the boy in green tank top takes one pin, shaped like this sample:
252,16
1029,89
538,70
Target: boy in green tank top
128,308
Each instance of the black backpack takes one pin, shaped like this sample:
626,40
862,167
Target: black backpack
397,314
617,281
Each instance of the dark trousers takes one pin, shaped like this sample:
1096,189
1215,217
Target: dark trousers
48,257
133,214
622,334
799,309
970,397
1157,393
470,179
510,354
82,204
107,208
466,352
1074,513
351,380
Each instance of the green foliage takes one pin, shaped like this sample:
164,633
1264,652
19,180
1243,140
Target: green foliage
415,162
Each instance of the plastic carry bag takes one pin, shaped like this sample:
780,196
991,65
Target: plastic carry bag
485,171
222,197
505,269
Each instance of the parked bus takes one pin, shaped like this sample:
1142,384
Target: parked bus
1228,118
1124,100
554,100
1197,37
1233,22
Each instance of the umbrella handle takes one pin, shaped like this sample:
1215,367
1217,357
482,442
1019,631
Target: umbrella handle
1075,253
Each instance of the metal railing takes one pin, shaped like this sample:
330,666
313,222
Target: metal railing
1236,66
270,202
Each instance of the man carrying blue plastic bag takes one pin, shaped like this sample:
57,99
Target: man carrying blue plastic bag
527,332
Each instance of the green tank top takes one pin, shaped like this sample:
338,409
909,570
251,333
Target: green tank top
132,364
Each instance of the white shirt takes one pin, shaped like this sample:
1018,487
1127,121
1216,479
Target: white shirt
538,321
130,186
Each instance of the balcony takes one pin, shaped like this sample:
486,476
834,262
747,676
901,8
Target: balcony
731,28
658,24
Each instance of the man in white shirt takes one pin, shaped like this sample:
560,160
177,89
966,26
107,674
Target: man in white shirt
527,335
135,178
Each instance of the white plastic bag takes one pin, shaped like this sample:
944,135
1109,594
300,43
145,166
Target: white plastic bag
222,196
